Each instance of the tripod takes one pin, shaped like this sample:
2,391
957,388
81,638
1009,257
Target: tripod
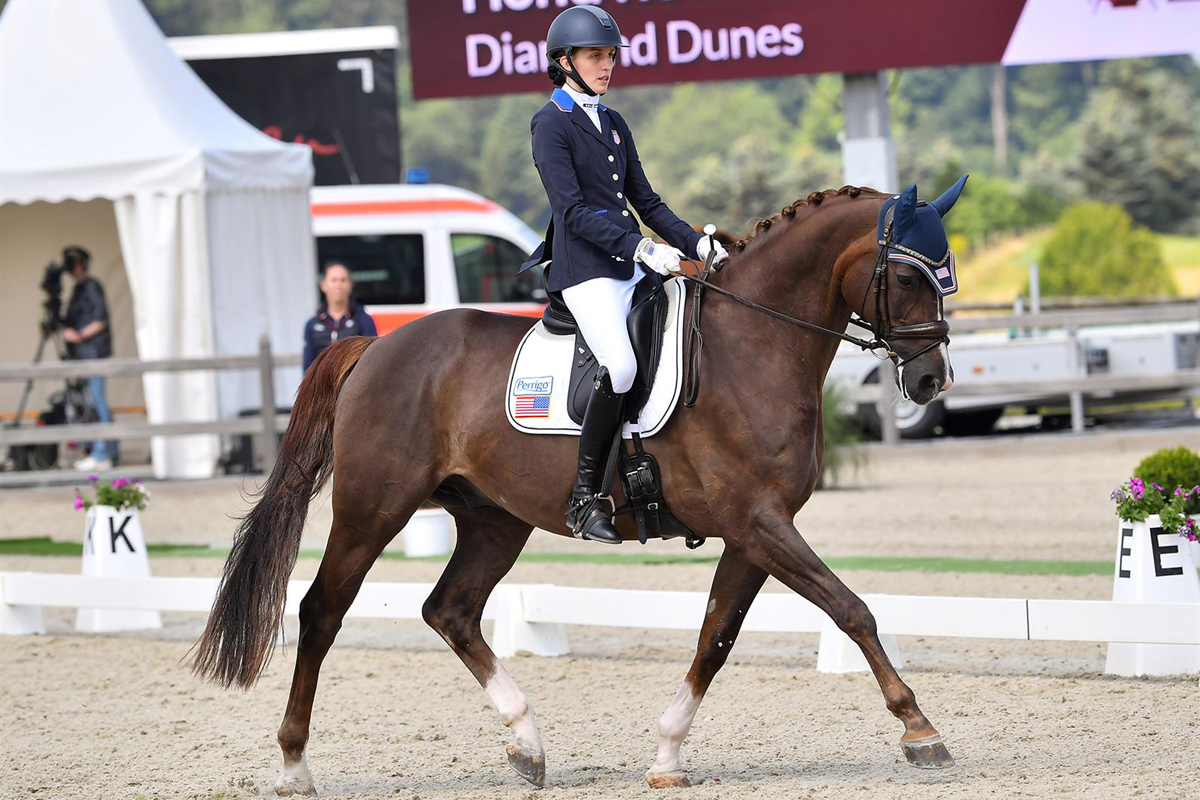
72,404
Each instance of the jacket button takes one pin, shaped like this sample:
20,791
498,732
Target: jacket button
624,213
619,195
611,158
616,177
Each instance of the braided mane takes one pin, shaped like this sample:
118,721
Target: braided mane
814,200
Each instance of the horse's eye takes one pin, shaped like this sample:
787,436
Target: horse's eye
904,281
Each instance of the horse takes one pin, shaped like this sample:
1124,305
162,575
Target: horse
419,415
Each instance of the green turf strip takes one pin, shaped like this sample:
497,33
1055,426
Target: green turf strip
44,546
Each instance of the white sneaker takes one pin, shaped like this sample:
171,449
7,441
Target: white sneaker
89,464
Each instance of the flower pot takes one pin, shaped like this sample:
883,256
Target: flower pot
1153,566
427,533
113,547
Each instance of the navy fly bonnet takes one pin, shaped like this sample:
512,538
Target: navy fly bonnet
917,237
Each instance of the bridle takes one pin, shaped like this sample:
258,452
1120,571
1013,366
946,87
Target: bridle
883,332
937,330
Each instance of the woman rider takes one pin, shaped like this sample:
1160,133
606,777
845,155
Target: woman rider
589,166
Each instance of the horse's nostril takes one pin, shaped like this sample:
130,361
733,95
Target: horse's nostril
928,384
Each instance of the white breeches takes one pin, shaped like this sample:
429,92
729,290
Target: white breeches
600,307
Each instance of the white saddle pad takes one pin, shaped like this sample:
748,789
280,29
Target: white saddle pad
539,381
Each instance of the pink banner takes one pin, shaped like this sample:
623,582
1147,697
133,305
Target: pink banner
478,47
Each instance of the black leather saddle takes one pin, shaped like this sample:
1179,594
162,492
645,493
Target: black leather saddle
646,323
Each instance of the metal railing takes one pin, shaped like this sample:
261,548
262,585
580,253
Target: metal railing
265,425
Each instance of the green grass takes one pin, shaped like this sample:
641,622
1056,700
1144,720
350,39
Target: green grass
44,546
999,271
1180,251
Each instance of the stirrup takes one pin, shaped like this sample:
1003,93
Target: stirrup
580,512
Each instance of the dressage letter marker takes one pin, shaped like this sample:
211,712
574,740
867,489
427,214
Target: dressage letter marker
121,553
1153,567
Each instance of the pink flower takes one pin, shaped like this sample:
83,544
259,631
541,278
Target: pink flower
78,501
119,482
93,478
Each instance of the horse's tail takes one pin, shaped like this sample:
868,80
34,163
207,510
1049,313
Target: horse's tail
241,630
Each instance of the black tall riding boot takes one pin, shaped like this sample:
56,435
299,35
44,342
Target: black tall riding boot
589,516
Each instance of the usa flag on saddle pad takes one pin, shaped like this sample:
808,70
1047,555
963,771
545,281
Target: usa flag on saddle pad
531,406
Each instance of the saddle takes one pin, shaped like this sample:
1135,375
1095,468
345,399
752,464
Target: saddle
646,322
639,471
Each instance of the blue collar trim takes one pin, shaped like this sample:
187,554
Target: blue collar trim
562,98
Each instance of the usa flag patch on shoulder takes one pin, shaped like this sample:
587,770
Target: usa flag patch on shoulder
528,405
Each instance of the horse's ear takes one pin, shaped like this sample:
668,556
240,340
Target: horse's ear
949,197
906,212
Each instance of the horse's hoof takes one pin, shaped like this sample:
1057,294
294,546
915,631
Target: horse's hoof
295,780
673,779
530,764
928,753
295,787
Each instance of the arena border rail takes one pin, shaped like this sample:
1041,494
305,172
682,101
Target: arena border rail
532,618
266,426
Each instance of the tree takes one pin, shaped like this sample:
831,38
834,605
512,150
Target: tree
444,135
746,182
1140,145
1096,250
506,170
700,121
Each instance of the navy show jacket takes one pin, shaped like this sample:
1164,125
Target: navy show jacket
323,330
591,178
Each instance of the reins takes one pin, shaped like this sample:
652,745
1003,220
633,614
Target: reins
937,330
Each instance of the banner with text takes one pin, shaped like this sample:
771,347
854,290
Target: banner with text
462,48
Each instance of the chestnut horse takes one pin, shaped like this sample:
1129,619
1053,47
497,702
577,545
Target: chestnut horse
419,414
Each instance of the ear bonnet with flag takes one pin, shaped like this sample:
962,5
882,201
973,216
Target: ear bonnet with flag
916,236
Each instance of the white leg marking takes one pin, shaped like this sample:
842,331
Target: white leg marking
295,779
513,707
673,727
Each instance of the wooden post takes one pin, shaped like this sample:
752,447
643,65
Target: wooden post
269,446
887,400
1079,369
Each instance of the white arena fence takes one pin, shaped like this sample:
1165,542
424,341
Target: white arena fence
530,618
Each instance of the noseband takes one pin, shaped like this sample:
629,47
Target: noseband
882,330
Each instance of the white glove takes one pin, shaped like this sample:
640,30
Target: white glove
662,258
702,250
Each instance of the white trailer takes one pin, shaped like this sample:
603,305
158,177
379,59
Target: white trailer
1138,361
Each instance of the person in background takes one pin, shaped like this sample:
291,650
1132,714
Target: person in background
339,315
86,332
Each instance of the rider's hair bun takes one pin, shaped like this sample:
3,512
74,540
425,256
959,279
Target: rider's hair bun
554,71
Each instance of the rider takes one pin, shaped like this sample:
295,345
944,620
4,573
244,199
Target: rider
585,155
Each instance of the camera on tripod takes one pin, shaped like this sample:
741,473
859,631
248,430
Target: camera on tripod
70,404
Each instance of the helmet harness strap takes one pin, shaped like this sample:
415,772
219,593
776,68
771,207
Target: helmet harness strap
574,75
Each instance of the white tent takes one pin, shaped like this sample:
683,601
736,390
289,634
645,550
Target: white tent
211,215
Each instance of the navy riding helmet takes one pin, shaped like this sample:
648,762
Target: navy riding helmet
582,26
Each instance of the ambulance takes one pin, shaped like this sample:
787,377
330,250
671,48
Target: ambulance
413,249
